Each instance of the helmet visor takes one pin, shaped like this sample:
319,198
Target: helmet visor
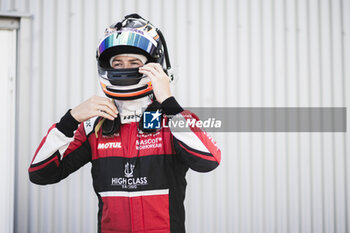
128,38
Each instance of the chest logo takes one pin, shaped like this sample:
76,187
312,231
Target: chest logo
129,181
129,170
109,145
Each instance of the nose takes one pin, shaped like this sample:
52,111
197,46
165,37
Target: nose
126,65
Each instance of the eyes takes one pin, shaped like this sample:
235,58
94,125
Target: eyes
128,64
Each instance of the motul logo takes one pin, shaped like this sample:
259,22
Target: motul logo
109,145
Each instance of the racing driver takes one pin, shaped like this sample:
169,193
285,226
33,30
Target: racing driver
138,165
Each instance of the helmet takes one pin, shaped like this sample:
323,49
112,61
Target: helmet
133,35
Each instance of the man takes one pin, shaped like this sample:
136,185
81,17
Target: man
138,169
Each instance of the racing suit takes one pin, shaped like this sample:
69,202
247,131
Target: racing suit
139,178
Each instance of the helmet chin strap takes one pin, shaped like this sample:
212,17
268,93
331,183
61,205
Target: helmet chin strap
131,110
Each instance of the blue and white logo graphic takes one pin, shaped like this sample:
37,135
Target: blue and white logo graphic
151,120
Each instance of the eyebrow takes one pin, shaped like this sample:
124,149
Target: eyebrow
131,60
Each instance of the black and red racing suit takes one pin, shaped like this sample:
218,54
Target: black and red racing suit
139,178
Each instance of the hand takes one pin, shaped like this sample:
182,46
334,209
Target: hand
160,81
95,106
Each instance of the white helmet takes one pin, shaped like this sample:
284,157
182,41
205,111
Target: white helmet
134,35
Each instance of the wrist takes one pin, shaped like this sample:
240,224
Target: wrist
68,124
73,113
163,98
171,107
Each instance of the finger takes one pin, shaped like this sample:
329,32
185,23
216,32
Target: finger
110,104
153,64
160,70
151,67
98,100
104,115
158,67
107,110
152,78
157,70
149,72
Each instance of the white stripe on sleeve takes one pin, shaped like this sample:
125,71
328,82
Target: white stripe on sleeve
186,135
55,140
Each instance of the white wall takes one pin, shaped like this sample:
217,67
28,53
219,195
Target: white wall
8,38
269,53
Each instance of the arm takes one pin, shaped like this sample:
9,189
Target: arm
61,152
193,145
